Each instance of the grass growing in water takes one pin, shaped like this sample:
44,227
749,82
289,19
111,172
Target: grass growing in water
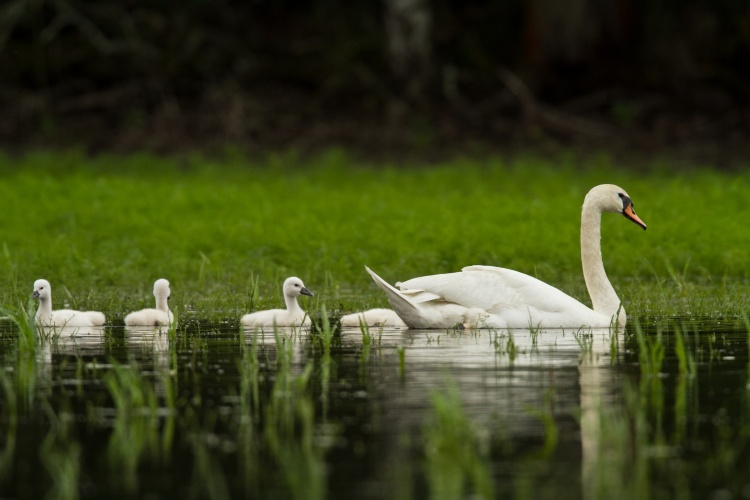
23,318
104,240
455,462
650,352
686,362
136,434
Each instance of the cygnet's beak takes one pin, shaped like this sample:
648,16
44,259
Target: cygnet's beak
35,295
305,291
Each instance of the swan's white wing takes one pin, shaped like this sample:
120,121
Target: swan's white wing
418,296
497,291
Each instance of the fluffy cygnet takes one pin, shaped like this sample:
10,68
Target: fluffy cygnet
373,317
293,315
45,316
161,316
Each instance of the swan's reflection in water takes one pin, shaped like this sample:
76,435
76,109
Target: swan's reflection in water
62,349
502,372
505,379
149,346
287,339
268,336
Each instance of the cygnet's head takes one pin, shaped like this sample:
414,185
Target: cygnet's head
611,198
294,287
42,290
161,288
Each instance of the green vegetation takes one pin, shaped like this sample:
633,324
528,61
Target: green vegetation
658,409
455,462
227,232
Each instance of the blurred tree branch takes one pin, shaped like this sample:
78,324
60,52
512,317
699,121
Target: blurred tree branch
540,114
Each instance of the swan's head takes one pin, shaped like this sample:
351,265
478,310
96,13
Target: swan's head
611,198
161,288
42,290
293,287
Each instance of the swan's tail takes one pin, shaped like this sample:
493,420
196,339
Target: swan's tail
404,307
409,312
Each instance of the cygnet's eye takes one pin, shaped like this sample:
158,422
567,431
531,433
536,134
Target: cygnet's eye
297,285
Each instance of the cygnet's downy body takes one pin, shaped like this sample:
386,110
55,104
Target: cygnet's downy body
45,316
373,317
161,316
293,315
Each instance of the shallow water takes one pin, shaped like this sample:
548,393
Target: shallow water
217,412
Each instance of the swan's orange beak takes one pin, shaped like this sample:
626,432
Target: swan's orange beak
630,214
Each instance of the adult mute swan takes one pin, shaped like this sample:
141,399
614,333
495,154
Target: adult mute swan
45,316
373,317
161,316
493,297
293,315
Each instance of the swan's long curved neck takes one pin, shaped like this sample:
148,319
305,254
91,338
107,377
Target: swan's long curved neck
45,306
603,296
161,303
291,304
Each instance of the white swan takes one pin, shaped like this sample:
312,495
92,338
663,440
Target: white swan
45,316
493,297
373,317
293,315
161,316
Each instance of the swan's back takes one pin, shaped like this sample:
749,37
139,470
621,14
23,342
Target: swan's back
521,300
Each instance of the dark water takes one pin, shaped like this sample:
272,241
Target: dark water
218,413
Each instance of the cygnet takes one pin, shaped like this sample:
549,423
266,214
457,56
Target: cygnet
161,316
293,315
45,316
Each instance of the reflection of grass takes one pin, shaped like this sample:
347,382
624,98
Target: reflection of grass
455,461
136,431
650,351
619,468
290,434
686,363
9,415
61,456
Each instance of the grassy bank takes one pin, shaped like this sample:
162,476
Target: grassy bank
102,229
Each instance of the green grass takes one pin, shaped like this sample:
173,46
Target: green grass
226,232
454,460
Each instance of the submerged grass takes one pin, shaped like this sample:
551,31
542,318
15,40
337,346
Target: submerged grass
227,232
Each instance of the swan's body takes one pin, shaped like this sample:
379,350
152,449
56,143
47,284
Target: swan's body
45,316
373,317
161,316
293,315
493,297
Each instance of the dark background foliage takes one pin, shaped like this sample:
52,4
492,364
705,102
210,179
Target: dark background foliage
192,73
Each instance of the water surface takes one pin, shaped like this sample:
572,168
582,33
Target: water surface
217,412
